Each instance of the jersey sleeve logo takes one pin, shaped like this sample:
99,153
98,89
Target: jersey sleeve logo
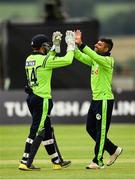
30,63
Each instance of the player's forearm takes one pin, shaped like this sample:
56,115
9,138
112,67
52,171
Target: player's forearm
96,57
57,62
83,57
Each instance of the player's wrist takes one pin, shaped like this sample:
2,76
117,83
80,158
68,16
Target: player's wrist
82,45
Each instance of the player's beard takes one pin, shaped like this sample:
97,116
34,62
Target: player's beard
96,50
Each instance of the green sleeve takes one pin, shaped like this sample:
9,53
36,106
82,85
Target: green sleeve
56,62
84,58
105,61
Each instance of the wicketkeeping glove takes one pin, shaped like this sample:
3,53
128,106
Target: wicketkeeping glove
56,39
70,40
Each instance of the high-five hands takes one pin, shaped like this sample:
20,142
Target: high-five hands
70,40
78,37
56,39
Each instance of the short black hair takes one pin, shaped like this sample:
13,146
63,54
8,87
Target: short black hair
109,42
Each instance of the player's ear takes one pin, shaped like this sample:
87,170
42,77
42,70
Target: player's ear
106,49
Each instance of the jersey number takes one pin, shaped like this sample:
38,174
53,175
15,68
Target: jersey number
31,77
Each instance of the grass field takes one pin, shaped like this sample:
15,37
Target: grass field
75,145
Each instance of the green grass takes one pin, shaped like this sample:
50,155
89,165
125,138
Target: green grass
75,145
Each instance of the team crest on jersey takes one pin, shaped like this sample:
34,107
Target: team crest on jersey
96,71
98,116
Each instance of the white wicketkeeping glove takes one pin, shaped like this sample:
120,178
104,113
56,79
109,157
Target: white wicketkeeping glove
70,40
56,39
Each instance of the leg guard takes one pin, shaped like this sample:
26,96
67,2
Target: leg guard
34,149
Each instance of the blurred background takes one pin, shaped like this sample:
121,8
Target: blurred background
116,18
20,20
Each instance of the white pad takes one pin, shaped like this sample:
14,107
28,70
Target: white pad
26,155
29,140
54,155
48,142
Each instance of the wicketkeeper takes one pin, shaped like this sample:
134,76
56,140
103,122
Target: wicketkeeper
39,66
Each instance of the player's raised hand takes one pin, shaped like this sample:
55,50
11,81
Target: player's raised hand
56,39
70,40
78,37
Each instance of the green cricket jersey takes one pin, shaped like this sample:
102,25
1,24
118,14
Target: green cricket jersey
101,72
39,71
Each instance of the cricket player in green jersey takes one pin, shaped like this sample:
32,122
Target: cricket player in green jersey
100,112
39,66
